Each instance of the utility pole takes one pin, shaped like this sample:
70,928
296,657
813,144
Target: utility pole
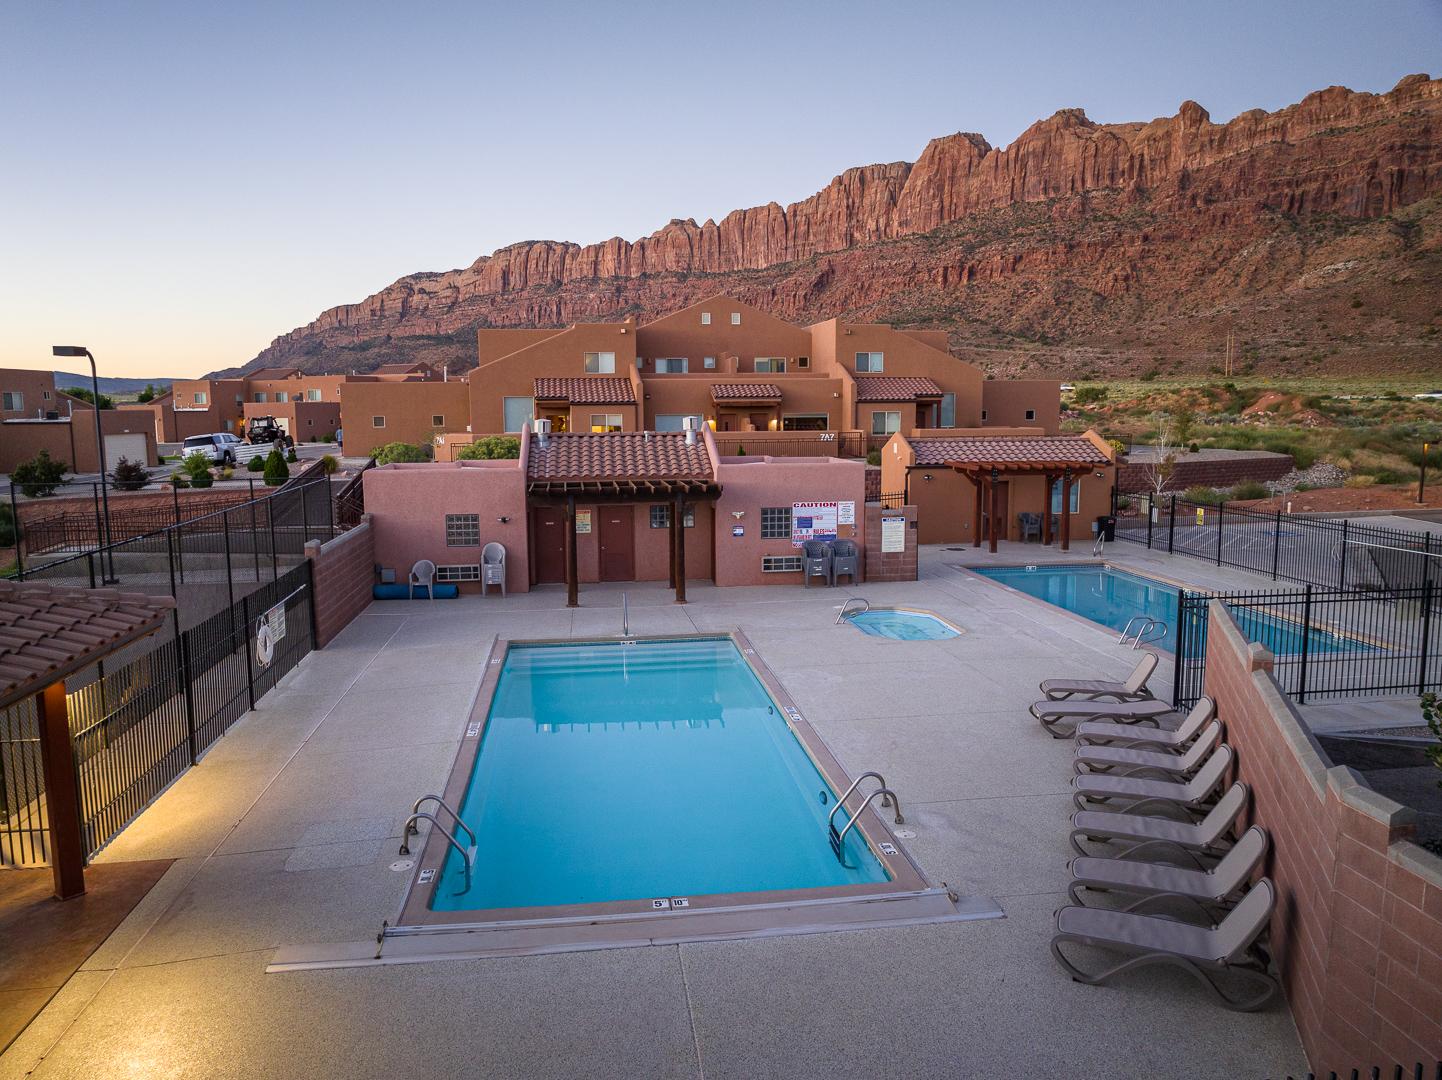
1422,478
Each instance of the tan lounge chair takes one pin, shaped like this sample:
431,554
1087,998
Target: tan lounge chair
1229,948
1148,835
1140,736
1127,762
1133,689
1054,715
1190,795
1207,889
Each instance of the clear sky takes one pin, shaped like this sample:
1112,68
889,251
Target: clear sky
181,182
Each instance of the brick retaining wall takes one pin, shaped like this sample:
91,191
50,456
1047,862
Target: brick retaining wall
1208,472
1357,934
890,566
343,571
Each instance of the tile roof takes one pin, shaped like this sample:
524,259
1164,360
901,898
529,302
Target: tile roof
595,390
746,391
1008,449
274,373
50,631
894,388
576,457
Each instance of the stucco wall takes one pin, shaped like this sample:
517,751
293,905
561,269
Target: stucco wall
408,408
342,573
1006,402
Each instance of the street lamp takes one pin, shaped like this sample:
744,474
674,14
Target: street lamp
76,351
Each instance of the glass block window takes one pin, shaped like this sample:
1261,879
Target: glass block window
471,572
661,516
776,523
463,530
780,564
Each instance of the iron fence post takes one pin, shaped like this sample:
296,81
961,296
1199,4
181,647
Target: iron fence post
170,558
1426,636
175,501
1151,516
1172,526
99,528
1221,515
1306,645
182,645
245,644
1342,562
90,565
229,570
1179,661
1276,543
270,517
15,527
254,531
310,600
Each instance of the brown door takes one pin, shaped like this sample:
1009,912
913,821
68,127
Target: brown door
548,534
725,421
617,536
760,421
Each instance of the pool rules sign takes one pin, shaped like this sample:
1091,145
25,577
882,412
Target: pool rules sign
814,521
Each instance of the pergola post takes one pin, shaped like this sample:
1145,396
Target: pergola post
1066,510
1047,481
572,586
62,792
671,539
995,509
975,479
678,567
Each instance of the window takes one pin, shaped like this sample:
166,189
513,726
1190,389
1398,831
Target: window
260,398
983,416
806,422
201,397
281,395
605,421
775,364
947,417
661,516
600,363
1056,497
780,564
709,363
459,573
1031,414
670,422
776,523
240,399
12,401
438,420
705,318
463,530
885,423
803,361
312,395
378,421
736,318
45,395
872,362
230,425
676,365
517,412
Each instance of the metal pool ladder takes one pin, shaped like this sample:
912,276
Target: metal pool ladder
888,798
1147,631
409,829
845,608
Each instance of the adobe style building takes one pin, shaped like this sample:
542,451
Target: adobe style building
35,416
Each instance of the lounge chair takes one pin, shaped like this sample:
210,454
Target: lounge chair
1230,947
1140,737
1203,889
1189,796
1133,689
817,561
1147,835
493,567
1029,525
1055,714
423,576
1126,762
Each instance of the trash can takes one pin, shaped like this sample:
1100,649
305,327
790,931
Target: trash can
1107,527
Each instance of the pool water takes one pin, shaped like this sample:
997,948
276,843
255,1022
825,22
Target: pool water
1112,597
638,770
901,625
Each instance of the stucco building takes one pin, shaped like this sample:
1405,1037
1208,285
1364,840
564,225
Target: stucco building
35,415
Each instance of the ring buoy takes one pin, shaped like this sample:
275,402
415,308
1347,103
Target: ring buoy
264,644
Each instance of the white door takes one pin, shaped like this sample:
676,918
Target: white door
283,422
130,447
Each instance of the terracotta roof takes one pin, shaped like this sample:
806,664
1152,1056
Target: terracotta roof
746,391
1009,449
654,460
50,631
894,388
597,390
401,369
274,373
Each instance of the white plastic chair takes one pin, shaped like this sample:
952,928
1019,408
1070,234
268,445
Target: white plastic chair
493,567
423,574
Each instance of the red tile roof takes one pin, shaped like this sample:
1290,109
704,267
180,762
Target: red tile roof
749,391
595,390
1009,449
274,373
48,631
894,388
587,457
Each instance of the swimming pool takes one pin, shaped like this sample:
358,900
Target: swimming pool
644,774
902,625
1113,597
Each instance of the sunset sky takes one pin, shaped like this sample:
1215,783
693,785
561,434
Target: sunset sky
182,182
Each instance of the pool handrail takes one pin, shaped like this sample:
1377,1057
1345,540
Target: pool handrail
831,817
467,854
842,614
1145,625
448,808
838,840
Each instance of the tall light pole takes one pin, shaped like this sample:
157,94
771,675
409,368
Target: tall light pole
76,351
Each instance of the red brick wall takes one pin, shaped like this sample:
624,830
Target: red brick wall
343,571
1357,934
896,565
1213,473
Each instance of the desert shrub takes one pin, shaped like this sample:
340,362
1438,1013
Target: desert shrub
490,448
1200,493
277,471
1249,489
180,480
255,464
8,532
196,464
327,438
873,457
394,452
329,463
39,476
226,472
1193,448
290,455
1085,395
1360,480
129,475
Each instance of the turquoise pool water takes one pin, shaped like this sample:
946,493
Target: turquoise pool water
1112,597
635,771
901,625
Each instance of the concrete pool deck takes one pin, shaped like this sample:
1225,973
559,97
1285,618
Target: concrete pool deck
285,832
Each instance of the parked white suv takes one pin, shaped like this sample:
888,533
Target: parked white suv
219,447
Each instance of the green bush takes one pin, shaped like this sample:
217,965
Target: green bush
1206,496
873,457
8,531
490,448
327,438
290,456
39,476
1250,489
329,463
393,452
196,464
255,464
129,475
1085,395
180,480
277,471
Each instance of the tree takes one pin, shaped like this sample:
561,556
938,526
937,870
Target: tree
490,448
148,394
1086,395
277,471
401,451
39,476
106,402
1184,418
1162,463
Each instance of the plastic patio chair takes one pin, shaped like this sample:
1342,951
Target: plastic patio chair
818,561
1030,525
493,567
845,560
423,575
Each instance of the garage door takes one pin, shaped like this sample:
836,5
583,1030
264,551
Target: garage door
130,447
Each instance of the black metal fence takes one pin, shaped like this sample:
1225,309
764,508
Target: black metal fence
891,500
1418,1071
1326,553
1325,643
138,725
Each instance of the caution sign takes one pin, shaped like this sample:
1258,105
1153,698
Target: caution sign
812,521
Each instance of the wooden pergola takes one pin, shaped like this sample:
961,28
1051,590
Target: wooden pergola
986,475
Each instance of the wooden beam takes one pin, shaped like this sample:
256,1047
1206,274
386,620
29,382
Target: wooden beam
1047,483
572,578
62,794
995,510
976,521
670,547
1066,510
678,515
